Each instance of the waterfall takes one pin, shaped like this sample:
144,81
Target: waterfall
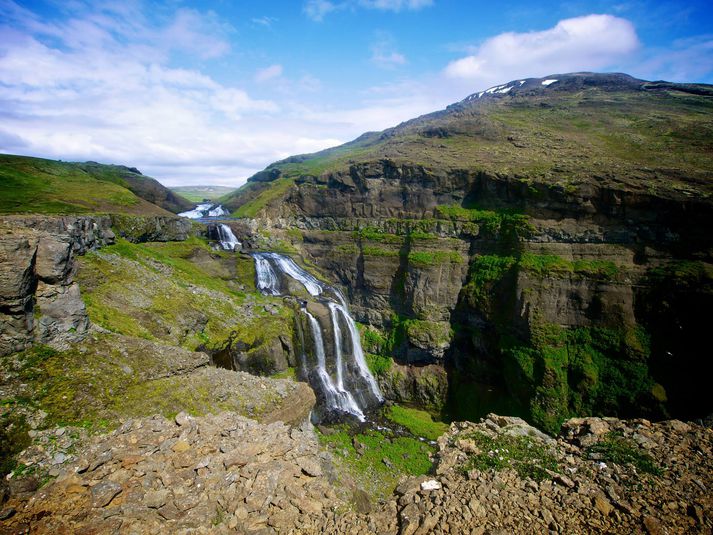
205,209
267,281
336,395
340,378
227,239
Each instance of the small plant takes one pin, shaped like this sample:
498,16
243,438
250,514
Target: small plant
529,458
616,448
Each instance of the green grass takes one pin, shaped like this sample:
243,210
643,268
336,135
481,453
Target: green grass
199,193
275,191
553,265
617,449
419,422
182,293
35,185
529,458
424,259
407,457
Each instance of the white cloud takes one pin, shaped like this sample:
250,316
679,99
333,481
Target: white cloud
264,21
395,5
268,73
583,43
384,53
114,96
317,9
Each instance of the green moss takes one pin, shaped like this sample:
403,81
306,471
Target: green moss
377,235
423,259
369,250
615,448
275,191
406,456
289,373
419,422
527,457
484,272
553,265
378,364
568,372
436,332
509,226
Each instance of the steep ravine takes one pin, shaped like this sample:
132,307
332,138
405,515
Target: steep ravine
488,292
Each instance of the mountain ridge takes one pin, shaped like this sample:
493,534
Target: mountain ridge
556,133
40,185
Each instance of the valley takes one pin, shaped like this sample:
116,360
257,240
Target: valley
495,307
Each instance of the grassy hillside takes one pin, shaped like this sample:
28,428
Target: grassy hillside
36,185
585,128
200,193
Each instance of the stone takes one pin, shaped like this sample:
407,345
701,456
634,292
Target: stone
309,466
602,504
431,484
103,493
156,498
181,446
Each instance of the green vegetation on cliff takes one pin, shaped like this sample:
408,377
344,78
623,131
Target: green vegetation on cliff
567,372
184,293
377,460
35,185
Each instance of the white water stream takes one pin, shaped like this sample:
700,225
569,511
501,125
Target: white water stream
341,377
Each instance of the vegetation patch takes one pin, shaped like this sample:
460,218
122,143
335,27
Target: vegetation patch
616,448
418,422
586,370
434,258
276,190
553,265
505,224
377,460
484,272
35,185
529,458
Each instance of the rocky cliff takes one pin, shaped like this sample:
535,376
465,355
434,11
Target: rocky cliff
544,244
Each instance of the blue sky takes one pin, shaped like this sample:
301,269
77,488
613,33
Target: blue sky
210,92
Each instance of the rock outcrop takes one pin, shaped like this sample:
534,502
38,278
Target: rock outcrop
39,298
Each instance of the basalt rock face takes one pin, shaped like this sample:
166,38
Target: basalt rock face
146,229
40,301
565,290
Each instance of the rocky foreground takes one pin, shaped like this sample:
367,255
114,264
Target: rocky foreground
230,474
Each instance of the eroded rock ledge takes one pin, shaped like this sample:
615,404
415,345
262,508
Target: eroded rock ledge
228,474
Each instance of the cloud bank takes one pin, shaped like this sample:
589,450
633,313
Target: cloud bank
577,44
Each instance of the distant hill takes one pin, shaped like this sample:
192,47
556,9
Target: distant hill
567,130
36,185
200,193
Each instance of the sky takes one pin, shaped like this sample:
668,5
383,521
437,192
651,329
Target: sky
211,92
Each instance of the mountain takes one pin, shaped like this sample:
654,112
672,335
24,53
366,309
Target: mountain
541,248
569,130
201,193
47,186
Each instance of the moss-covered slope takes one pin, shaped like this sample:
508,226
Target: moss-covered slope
584,129
36,185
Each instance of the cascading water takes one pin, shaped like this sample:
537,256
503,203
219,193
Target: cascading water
205,210
227,239
340,377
